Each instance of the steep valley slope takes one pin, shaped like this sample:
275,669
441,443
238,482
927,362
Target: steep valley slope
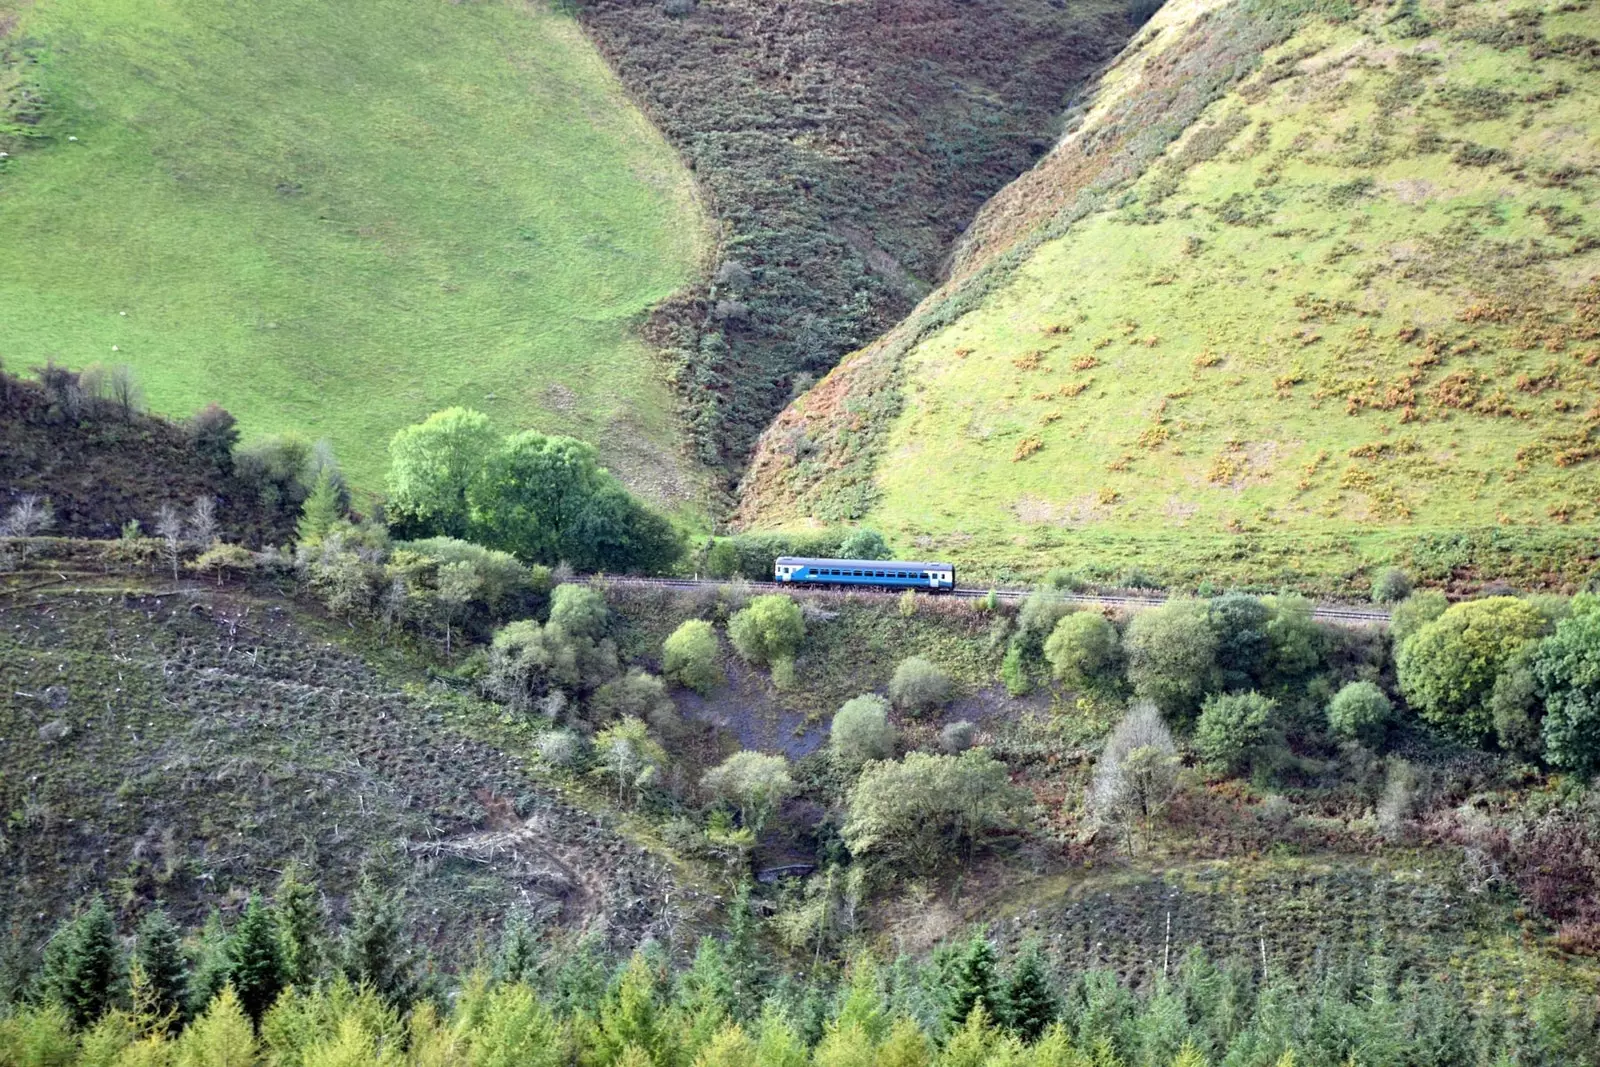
1309,288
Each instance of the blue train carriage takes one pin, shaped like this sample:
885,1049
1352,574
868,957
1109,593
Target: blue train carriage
875,573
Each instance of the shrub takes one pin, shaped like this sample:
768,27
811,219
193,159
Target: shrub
1391,586
561,748
689,657
918,686
1447,669
925,808
1567,667
1037,620
957,737
862,543
1413,613
508,587
1295,641
528,662
1235,730
213,432
861,732
1360,712
753,782
1136,776
784,677
1014,672
1172,656
1243,647
636,694
276,467
769,629
580,610
1082,649
1515,705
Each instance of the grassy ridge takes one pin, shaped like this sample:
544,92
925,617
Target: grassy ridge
335,219
1347,317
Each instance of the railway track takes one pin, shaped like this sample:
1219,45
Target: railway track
1335,613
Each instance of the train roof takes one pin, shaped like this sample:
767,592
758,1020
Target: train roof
910,565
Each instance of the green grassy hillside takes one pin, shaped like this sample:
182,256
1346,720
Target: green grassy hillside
1348,314
335,219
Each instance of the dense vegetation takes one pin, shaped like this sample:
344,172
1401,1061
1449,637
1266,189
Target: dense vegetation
843,149
1410,382
425,206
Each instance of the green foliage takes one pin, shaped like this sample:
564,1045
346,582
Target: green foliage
689,657
580,610
84,968
1413,613
1031,1003
925,808
1240,622
1360,711
770,628
221,1037
918,687
432,464
1083,649
320,511
255,960
1171,653
1447,669
861,732
301,928
158,950
753,782
1567,668
533,667
636,694
1295,642
972,978
1014,673
547,500
862,543
629,757
518,957
1037,620
1390,586
1236,730
376,951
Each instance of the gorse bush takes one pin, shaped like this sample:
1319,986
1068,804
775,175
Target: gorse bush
1391,586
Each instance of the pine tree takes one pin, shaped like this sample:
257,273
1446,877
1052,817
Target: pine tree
743,954
300,928
221,1037
164,971
320,511
375,949
971,979
1031,1004
705,996
630,1016
210,973
255,960
84,965
518,960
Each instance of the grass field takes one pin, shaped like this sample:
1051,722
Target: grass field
335,219
1355,305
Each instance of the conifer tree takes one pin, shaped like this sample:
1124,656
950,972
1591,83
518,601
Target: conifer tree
630,1017
375,950
255,960
906,1046
301,928
1031,1004
84,968
705,996
518,960
972,979
221,1037
743,954
210,972
320,511
164,971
